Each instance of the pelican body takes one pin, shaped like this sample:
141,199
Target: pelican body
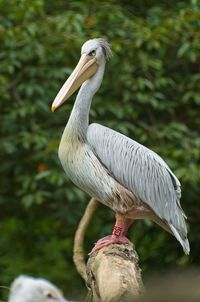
131,179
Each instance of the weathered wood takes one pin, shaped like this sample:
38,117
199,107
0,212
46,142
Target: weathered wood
78,251
113,274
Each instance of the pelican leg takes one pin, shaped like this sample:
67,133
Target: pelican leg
127,224
118,235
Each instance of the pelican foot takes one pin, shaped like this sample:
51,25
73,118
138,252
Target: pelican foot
105,241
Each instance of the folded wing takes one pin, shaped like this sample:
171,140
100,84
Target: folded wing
144,173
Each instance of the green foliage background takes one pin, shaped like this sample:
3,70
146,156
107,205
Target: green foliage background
150,92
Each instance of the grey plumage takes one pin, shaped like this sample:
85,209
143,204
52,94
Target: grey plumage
118,171
106,48
142,172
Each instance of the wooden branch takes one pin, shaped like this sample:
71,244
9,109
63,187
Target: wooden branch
114,274
78,250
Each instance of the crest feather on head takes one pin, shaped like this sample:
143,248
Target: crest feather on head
106,48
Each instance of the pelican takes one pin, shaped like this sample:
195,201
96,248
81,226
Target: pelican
29,289
119,172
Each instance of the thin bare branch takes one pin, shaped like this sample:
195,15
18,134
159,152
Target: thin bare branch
78,251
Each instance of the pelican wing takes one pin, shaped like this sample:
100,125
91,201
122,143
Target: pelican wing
144,173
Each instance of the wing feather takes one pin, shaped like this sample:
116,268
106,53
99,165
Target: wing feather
142,171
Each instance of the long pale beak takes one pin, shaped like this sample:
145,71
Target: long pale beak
84,70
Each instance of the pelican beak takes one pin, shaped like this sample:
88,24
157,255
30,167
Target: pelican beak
85,69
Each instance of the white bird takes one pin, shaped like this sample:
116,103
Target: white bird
119,172
29,289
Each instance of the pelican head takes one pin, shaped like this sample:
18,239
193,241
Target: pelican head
93,53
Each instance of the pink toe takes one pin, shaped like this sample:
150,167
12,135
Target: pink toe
107,241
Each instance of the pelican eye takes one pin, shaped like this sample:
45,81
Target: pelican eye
50,296
92,53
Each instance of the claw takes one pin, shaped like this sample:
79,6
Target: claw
107,241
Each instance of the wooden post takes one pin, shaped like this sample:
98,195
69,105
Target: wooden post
112,273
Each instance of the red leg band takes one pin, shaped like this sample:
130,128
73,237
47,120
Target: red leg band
117,231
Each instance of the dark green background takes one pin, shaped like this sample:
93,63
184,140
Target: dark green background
150,92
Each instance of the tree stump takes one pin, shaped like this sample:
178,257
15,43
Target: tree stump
113,274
